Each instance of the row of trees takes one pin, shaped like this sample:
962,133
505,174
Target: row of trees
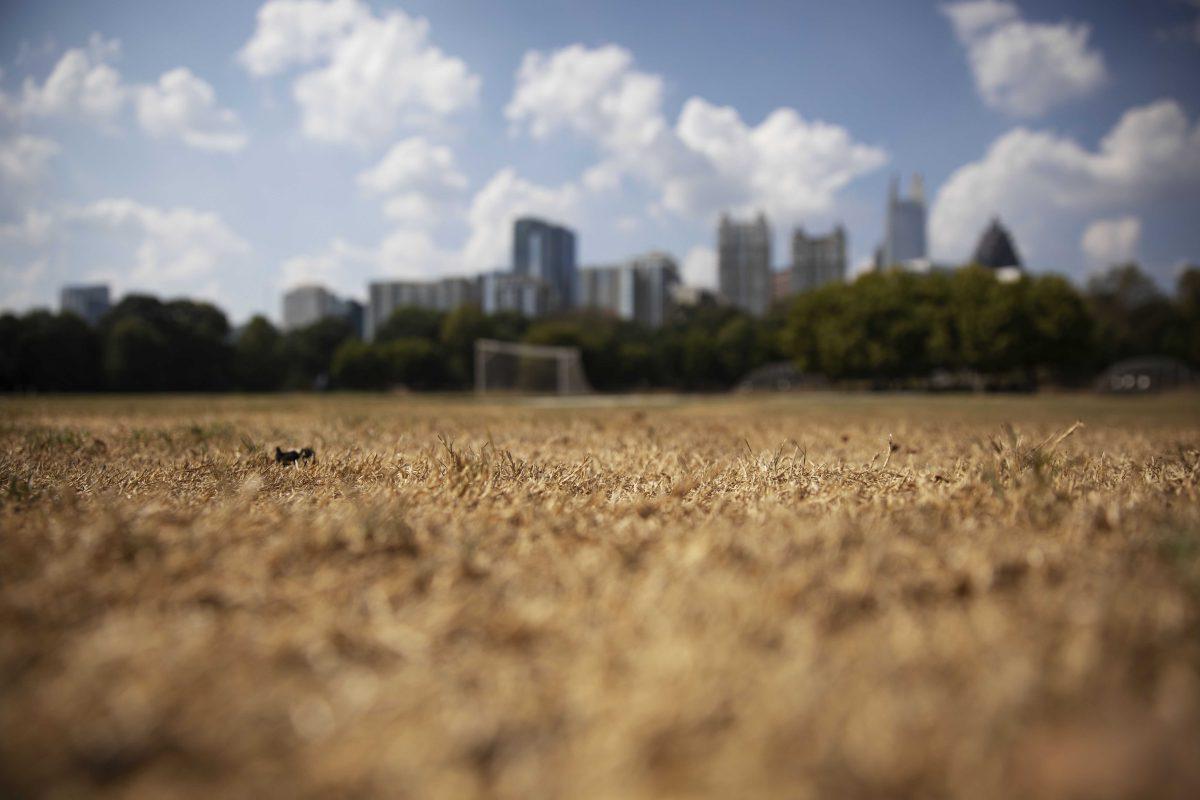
889,327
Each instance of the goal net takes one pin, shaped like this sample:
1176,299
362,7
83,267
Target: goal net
528,368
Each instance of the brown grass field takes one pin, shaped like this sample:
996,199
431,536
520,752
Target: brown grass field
670,598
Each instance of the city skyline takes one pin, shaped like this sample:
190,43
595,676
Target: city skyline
217,153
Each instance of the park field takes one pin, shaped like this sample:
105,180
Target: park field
813,596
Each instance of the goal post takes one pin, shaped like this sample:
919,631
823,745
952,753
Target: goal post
528,368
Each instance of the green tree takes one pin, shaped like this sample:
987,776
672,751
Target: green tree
258,358
1132,317
462,327
1062,328
414,363
1187,299
993,329
410,362
358,365
11,329
196,334
199,337
309,351
137,356
411,322
740,348
49,352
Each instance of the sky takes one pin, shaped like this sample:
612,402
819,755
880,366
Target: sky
230,150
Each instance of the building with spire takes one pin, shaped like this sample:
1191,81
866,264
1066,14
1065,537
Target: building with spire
996,249
904,232
744,264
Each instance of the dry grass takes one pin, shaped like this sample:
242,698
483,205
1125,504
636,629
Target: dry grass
721,598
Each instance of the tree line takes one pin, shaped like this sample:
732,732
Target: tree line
888,329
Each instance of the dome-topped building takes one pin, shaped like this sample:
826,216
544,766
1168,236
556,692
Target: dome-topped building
996,249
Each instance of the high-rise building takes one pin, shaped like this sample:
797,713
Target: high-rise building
817,260
658,275
996,249
744,264
640,290
304,305
507,291
355,313
546,252
904,233
611,288
90,302
445,294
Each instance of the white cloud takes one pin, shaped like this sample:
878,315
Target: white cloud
593,92
414,209
422,179
786,165
1042,184
342,266
176,248
700,267
20,286
602,177
627,223
298,32
126,243
33,229
83,84
970,19
414,164
413,253
184,106
711,160
1111,241
375,74
23,159
1025,68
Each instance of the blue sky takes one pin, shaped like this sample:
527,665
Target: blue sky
228,150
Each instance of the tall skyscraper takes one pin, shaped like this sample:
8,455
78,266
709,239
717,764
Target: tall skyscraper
640,290
90,302
817,260
744,264
904,234
546,252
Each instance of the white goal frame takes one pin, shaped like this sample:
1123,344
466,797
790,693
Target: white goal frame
567,360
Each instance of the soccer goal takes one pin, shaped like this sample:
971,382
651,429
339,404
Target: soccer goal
528,368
